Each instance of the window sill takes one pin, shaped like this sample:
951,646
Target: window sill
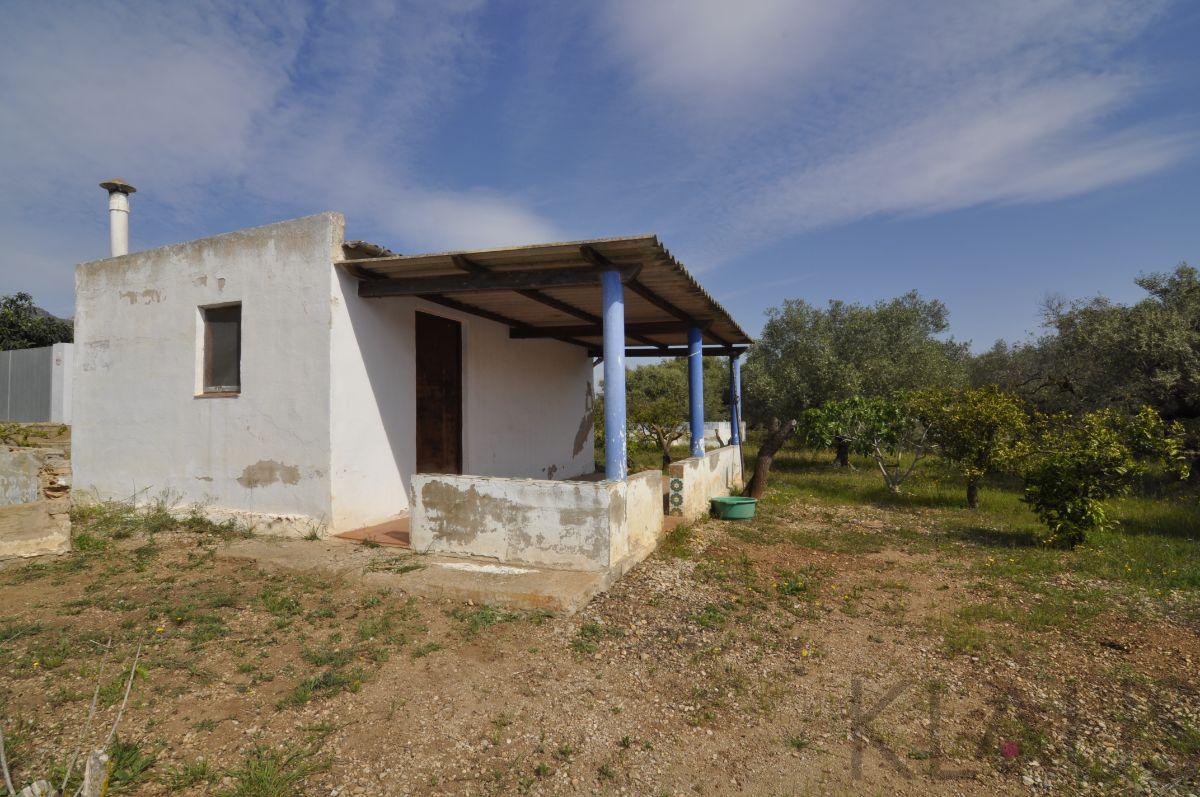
218,394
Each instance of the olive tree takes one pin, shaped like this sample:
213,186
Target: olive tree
885,430
656,399
807,356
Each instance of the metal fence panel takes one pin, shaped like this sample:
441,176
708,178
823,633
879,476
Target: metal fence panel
27,378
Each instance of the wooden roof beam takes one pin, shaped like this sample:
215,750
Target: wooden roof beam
678,351
470,266
512,323
632,330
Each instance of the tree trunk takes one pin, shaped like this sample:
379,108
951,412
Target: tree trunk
843,452
666,452
973,493
777,435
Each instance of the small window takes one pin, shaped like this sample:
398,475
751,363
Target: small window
222,348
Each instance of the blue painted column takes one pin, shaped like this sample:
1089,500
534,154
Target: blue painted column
613,297
735,399
696,390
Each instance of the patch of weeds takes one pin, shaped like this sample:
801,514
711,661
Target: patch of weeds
205,725
113,692
190,774
421,651
328,656
279,602
791,585
13,630
128,764
590,634
84,542
328,683
397,565
564,752
678,542
273,772
605,772
797,742
53,655
542,770
477,618
325,611
711,616
959,638
380,627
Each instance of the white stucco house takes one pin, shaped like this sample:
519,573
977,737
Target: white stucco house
305,383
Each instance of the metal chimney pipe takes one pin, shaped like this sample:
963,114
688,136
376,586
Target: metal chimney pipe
118,214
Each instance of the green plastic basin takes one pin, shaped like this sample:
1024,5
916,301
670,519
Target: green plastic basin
734,507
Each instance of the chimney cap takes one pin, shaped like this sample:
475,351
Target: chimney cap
117,185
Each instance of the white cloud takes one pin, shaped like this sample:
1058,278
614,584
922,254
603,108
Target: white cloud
799,115
213,108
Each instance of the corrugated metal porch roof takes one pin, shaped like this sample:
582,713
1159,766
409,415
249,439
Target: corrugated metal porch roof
661,298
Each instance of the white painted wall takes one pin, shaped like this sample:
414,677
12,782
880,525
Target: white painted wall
525,404
323,430
62,365
139,427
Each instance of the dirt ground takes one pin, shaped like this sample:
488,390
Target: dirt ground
820,652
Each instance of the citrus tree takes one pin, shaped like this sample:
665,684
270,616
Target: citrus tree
976,429
1073,465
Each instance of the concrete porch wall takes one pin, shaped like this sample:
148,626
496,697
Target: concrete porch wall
695,480
561,524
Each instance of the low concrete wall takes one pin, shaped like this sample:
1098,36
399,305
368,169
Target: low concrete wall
695,480
558,524
643,513
35,501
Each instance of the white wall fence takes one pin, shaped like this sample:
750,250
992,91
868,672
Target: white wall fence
35,384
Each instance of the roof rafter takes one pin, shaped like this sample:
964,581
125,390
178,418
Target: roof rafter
464,263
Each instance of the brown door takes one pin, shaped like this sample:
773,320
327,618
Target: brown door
439,394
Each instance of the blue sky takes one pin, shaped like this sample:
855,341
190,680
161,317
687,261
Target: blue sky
987,154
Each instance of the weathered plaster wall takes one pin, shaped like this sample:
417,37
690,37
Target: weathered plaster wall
643,512
558,524
138,424
526,404
34,501
693,481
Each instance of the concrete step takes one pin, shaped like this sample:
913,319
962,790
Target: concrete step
30,530
458,578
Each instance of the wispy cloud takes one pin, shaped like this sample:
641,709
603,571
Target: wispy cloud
798,115
214,106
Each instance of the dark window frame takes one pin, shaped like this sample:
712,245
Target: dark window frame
222,333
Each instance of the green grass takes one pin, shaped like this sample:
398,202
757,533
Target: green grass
329,682
103,520
590,634
272,772
477,618
1152,549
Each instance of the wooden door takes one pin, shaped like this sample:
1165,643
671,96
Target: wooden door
439,394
